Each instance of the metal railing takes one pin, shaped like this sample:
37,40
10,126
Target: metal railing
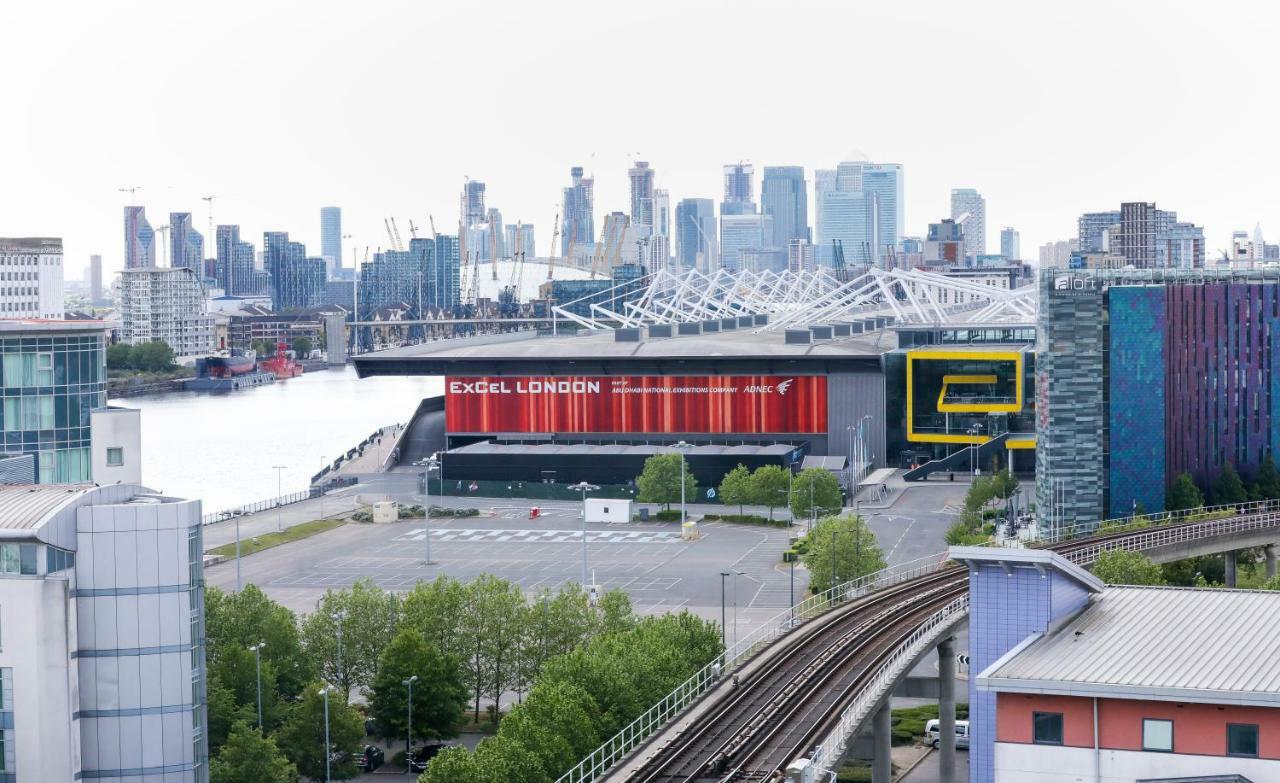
642,728
261,505
830,750
1136,522
1144,539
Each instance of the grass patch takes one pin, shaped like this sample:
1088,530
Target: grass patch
296,533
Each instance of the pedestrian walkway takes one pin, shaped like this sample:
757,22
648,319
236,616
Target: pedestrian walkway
336,504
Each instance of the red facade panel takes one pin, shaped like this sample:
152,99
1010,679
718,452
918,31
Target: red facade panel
745,404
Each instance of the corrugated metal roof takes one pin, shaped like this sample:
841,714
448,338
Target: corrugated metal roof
489,447
25,506
1159,642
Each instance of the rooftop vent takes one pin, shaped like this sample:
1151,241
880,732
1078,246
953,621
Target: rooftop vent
797,337
627,335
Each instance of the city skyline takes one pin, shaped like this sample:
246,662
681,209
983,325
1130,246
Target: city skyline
1037,169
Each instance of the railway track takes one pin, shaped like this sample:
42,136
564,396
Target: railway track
778,712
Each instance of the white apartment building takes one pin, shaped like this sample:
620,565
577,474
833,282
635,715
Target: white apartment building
102,659
166,303
31,277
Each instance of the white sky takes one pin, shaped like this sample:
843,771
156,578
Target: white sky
279,108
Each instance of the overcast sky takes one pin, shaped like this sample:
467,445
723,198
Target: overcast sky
279,108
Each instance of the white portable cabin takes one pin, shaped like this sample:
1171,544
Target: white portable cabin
610,510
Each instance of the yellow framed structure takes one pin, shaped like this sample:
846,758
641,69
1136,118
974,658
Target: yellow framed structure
947,380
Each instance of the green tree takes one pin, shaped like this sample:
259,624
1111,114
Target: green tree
154,356
659,482
438,694
1184,494
432,609
820,486
1004,484
1123,567
1228,488
367,616
234,621
302,346
503,760
567,711
768,487
249,757
1272,584
842,545
263,348
557,623
302,735
735,487
504,604
1268,479
615,612
224,710
453,765
120,357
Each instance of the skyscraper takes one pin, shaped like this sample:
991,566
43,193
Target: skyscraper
1010,244
739,196
849,220
139,239
784,196
860,205
641,177
1143,236
660,241
518,238
696,234
95,279
884,183
331,237
297,282
236,273
472,207
578,228
969,209
824,181
186,245
742,233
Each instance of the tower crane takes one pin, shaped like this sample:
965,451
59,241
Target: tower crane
393,233
434,233
555,236
131,190
209,200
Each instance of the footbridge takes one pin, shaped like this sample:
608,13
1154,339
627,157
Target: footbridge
794,692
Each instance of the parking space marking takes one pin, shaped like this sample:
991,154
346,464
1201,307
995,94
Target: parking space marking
534,537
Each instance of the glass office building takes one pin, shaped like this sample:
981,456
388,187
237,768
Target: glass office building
52,375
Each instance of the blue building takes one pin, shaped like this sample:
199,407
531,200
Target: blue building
578,227
696,234
52,376
424,278
860,205
186,245
784,196
236,274
139,239
331,237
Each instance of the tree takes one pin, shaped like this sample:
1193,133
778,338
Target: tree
503,760
234,621
302,346
154,356
1272,584
567,711
659,482
302,735
1228,488
768,487
843,546
503,601
1003,484
453,765
249,757
263,347
735,487
1184,494
368,619
555,624
821,487
432,609
1268,479
438,694
119,357
615,612
224,711
1123,567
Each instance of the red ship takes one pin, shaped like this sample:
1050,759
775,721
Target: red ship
280,365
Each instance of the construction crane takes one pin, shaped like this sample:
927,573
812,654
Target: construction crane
131,190
434,233
393,233
555,237
413,230
209,200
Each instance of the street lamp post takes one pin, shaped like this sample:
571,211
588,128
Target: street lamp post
408,735
584,488
328,754
974,431
428,464
279,469
257,656
682,445
238,584
724,634
736,574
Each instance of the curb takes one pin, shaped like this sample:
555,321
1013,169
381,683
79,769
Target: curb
915,764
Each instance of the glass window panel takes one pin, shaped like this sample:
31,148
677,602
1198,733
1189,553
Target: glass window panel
1157,734
10,562
1242,739
1047,728
45,409
27,558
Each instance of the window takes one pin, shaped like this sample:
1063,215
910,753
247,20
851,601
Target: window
1046,728
1157,735
1242,739
115,457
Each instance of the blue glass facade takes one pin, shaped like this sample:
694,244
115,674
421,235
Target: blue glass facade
1136,387
49,383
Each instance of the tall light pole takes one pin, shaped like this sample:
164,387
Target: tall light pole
257,656
853,459
238,583
328,774
682,445
339,617
974,431
428,464
736,574
724,633
408,734
584,488
279,469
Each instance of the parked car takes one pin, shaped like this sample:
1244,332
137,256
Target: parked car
423,755
931,733
371,758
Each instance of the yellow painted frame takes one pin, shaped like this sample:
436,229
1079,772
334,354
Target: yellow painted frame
962,407
928,355
1022,442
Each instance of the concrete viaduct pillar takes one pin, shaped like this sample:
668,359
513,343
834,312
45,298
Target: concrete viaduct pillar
882,740
1229,568
1270,550
947,710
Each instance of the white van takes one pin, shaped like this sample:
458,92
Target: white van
931,733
